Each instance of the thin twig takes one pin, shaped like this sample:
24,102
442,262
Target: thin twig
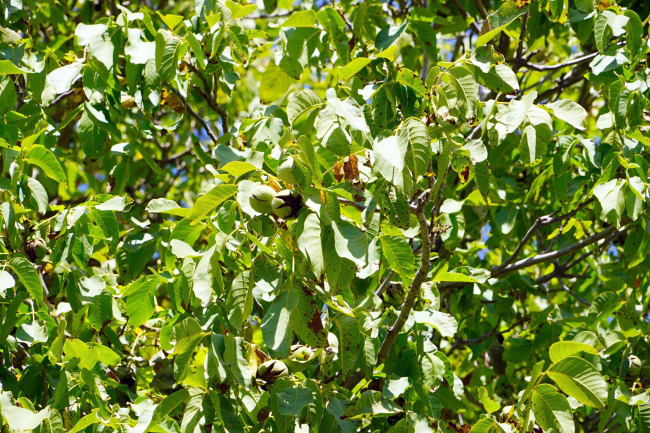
200,119
60,98
570,292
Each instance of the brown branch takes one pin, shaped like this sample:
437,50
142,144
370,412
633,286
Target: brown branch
541,258
411,298
196,116
60,98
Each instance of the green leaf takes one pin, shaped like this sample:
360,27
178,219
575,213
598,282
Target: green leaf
644,417
27,275
92,137
188,334
310,243
569,111
466,88
306,321
275,326
339,270
518,110
634,251
372,404
161,205
21,419
167,63
239,303
301,102
563,349
413,136
195,46
291,401
301,19
579,379
236,360
348,344
602,32
45,159
489,404
8,68
8,96
140,302
446,325
351,69
634,31
275,83
551,409
426,36
497,21
399,255
208,202
488,425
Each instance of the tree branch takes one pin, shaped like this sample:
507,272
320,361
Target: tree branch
200,119
411,298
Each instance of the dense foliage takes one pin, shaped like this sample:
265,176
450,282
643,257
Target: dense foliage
325,218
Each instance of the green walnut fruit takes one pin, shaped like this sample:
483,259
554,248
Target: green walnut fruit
290,172
634,370
271,371
36,250
299,359
287,204
261,198
394,295
41,248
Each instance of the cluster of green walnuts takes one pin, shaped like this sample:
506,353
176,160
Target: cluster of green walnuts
285,204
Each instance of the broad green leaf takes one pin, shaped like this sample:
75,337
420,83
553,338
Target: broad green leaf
551,409
301,102
187,334
208,202
466,88
301,19
275,326
292,400
45,159
372,404
348,344
28,277
444,323
580,379
413,136
498,20
569,111
350,70
489,404
239,303
140,300
8,96
310,243
563,349
399,255
236,359
275,83
488,425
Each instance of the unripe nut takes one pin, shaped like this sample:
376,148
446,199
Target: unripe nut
271,371
287,204
634,370
261,198
290,172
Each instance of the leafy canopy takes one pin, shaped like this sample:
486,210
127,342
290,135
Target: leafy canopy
324,218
